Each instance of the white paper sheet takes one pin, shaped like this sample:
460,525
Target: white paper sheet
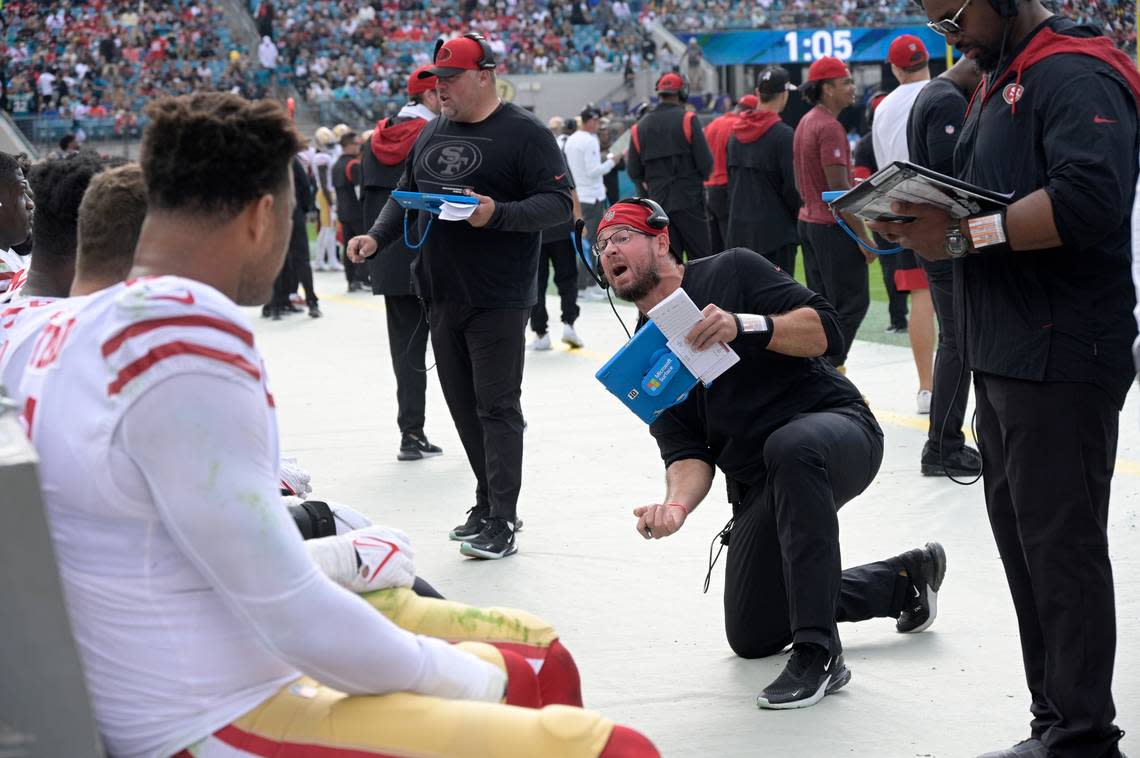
456,211
676,316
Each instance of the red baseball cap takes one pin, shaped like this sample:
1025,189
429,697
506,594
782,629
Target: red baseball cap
456,56
670,82
749,102
827,67
631,215
416,85
907,50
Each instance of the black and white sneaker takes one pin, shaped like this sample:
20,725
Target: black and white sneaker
1030,748
811,673
414,447
474,525
497,540
926,567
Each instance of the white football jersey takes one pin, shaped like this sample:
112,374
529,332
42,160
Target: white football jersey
20,322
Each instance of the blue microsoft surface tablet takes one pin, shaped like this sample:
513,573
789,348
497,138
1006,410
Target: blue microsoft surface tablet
646,375
430,202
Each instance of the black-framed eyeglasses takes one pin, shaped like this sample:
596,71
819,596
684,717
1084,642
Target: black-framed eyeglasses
948,26
620,238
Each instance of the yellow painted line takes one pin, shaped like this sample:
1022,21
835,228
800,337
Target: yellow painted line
886,418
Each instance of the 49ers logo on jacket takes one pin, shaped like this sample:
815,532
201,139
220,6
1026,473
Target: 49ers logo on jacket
1012,93
452,160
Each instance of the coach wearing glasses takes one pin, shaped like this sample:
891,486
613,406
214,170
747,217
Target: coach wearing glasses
479,276
795,441
1045,326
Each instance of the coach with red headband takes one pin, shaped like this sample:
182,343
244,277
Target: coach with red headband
383,165
835,265
1045,325
795,441
479,276
669,155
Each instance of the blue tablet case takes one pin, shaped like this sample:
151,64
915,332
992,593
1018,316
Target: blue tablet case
430,202
646,375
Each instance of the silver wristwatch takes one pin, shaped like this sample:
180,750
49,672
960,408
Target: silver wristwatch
956,244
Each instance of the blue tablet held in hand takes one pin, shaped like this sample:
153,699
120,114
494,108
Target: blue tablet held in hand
429,201
646,375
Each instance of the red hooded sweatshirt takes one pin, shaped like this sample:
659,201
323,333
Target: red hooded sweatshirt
392,141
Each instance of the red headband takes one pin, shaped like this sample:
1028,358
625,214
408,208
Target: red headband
631,215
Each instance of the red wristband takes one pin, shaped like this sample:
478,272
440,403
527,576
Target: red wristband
682,506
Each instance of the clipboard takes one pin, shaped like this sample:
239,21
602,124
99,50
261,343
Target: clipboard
907,182
429,201
646,376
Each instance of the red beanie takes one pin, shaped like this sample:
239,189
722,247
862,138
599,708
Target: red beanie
631,215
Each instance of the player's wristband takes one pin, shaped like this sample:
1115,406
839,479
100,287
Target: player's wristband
682,506
758,329
987,232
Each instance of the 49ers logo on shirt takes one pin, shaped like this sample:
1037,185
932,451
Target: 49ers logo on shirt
1012,93
452,160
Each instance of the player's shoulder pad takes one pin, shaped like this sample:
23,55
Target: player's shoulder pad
158,326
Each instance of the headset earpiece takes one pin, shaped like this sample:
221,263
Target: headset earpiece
658,218
486,55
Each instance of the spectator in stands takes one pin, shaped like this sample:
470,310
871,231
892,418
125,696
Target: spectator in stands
265,15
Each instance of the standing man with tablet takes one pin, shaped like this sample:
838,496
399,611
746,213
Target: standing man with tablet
1047,330
479,276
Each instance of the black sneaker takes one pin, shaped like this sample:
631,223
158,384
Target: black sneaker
926,567
414,446
497,540
472,526
811,673
314,312
963,462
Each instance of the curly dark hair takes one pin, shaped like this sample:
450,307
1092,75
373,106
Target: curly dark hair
214,153
59,185
811,92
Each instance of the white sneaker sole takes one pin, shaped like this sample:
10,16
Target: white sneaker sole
473,552
932,605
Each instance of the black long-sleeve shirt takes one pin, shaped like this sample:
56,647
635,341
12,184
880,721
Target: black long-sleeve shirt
727,423
671,162
1067,123
510,157
933,125
762,196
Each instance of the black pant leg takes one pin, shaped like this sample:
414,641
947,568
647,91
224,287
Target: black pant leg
812,272
299,259
845,273
783,580
539,319
495,340
407,342
1052,447
951,377
689,233
456,379
896,301
784,257
565,263
718,217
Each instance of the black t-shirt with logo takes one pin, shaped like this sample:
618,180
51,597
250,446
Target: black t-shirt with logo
511,157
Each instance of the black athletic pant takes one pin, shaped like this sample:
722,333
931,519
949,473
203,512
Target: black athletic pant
407,342
592,215
951,377
559,254
896,301
689,233
783,579
784,257
718,216
479,356
836,270
297,268
353,272
1048,450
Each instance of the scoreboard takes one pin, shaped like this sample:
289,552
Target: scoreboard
795,46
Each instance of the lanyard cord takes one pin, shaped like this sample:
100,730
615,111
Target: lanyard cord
423,238
859,241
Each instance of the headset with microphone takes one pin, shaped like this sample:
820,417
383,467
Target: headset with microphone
657,219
